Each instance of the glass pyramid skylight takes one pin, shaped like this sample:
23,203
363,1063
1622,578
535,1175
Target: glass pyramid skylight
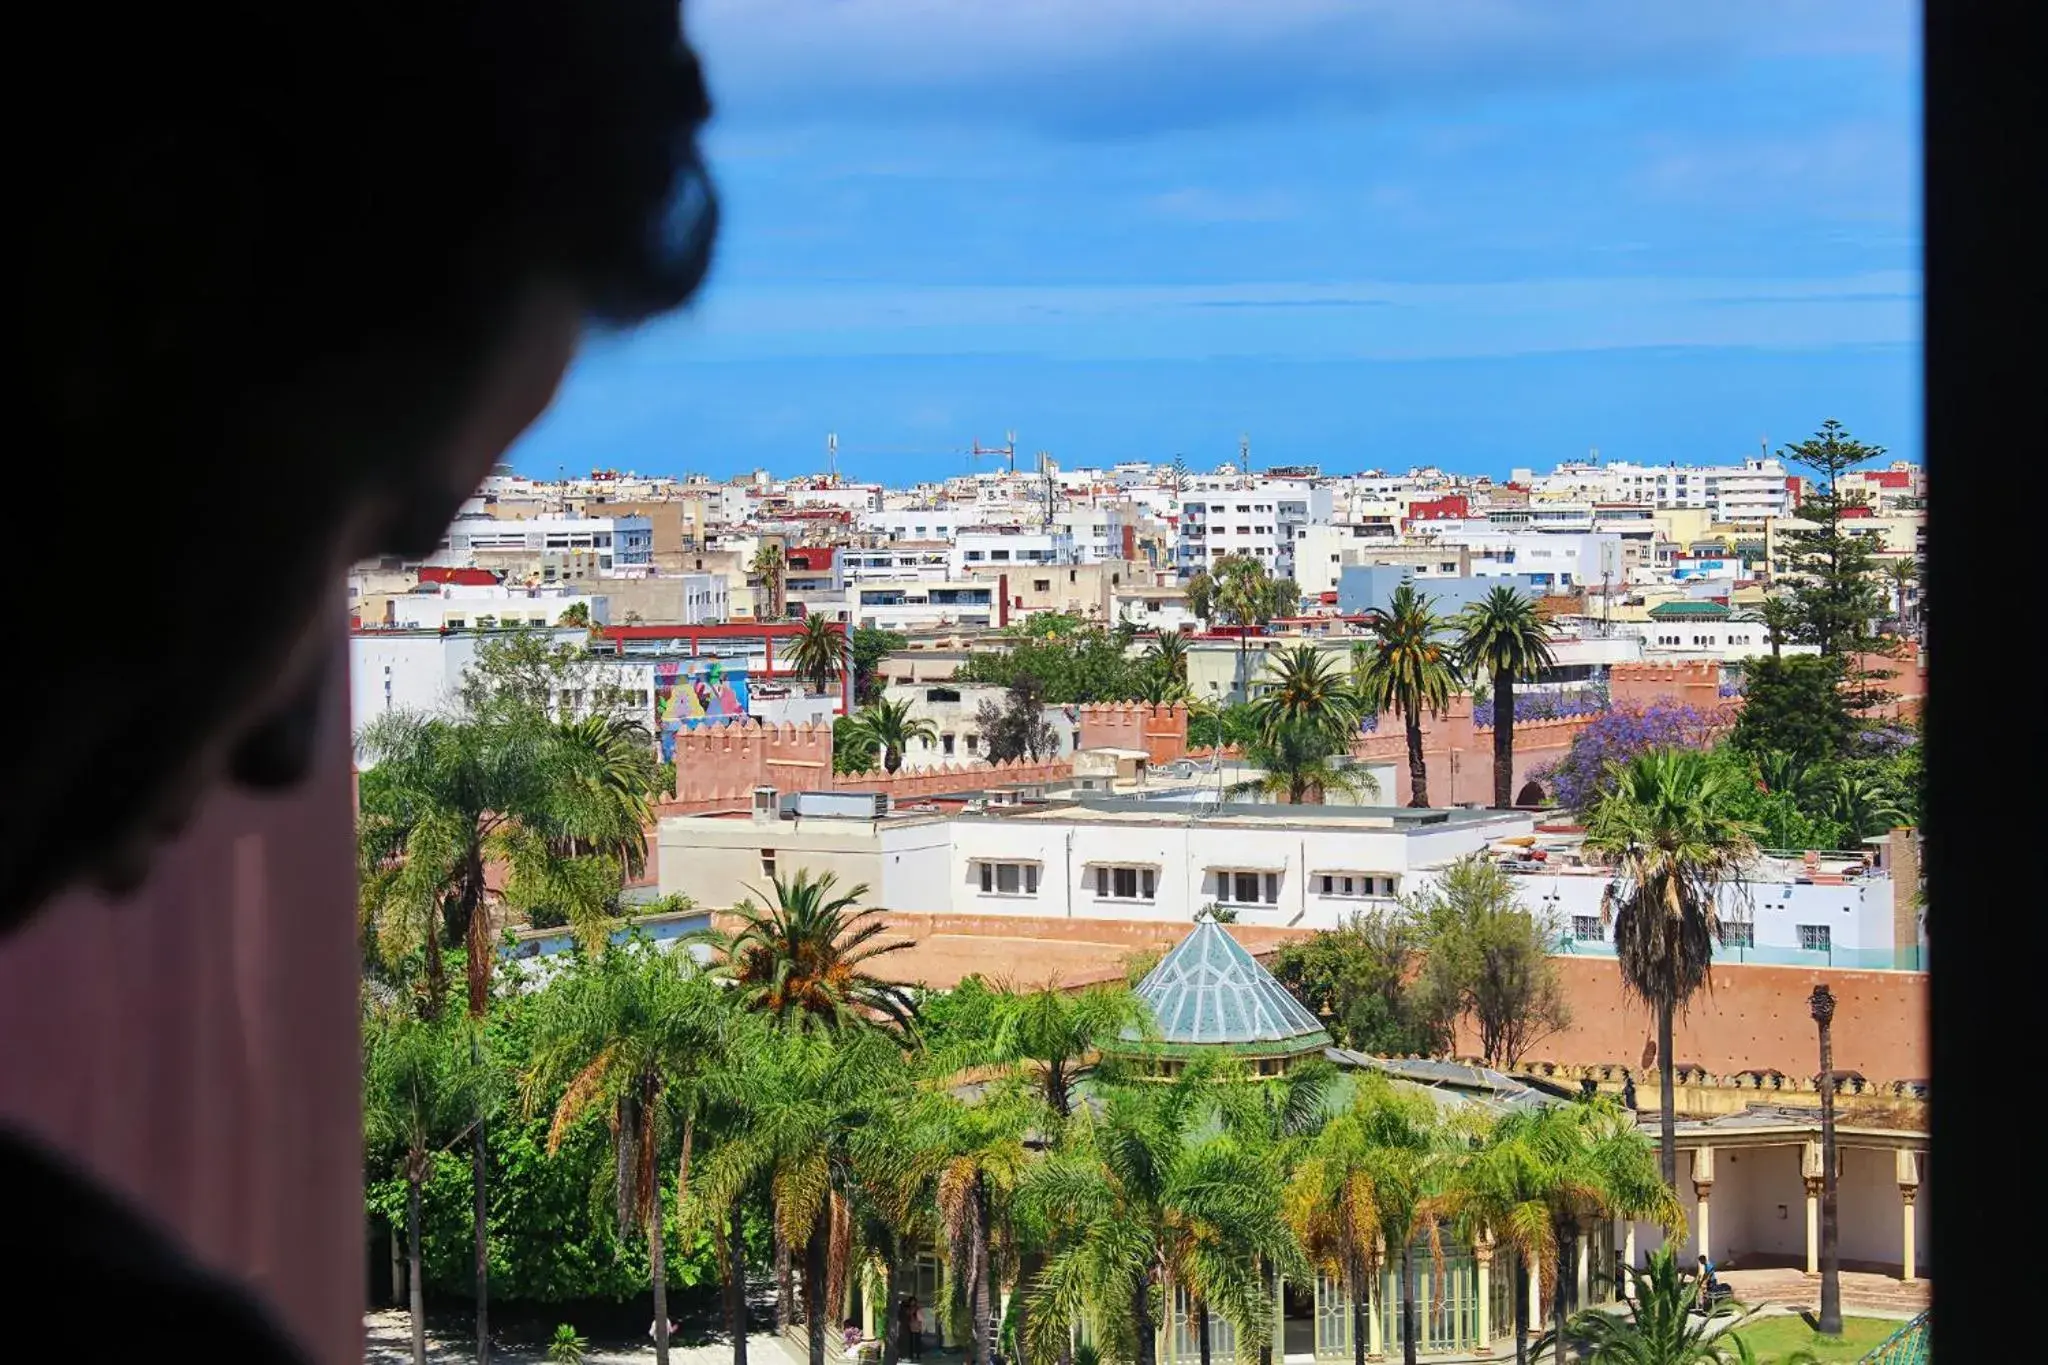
1210,990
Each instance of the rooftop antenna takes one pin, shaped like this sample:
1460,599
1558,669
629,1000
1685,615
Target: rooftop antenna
1244,457
832,454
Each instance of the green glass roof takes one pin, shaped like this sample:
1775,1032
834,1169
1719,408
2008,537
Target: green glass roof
1665,611
1209,990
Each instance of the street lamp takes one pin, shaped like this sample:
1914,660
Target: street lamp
1822,1003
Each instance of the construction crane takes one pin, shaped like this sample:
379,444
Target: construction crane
1008,450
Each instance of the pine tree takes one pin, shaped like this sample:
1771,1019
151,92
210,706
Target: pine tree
1834,575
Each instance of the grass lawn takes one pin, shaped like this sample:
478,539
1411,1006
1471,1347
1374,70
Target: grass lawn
1775,1338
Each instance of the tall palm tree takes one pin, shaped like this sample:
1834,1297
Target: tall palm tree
1902,573
423,1090
1781,621
1055,1036
1507,636
805,954
635,1033
821,652
1332,1206
1168,655
1862,806
967,1155
1305,689
890,728
444,800
1134,1200
1674,848
770,566
1242,590
1407,667
799,1126
1542,1178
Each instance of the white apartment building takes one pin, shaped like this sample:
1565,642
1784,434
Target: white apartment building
954,709
415,670
1322,551
1553,560
620,543
913,523
918,603
1213,525
1000,547
707,599
928,561
466,606
1746,492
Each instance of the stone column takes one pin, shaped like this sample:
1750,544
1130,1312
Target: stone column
1703,1190
1482,1258
1583,1277
1810,1172
1909,1190
1375,1331
1813,1225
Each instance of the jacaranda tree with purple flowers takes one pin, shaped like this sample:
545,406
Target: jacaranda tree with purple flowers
1585,773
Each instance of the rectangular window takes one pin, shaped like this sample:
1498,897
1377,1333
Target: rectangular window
1734,935
1009,879
1586,928
1125,883
1815,938
767,862
946,743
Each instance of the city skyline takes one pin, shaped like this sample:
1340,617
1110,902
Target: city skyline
1480,238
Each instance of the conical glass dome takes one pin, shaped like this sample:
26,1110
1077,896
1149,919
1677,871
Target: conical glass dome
1210,992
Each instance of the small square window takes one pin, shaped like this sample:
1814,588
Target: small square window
1816,938
1737,935
1586,928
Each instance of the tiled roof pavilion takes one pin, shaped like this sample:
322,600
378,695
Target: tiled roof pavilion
1209,992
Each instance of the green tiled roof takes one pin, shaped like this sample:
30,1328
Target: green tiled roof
1665,611
1210,991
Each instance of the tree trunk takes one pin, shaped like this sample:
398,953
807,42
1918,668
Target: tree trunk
817,1254
415,1293
1418,772
980,1309
892,1331
1266,1278
785,1284
1503,738
1667,1122
478,952
1408,1343
1202,1329
736,1284
657,1275
1143,1350
1829,1319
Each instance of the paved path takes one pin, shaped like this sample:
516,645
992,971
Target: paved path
1863,1295
387,1340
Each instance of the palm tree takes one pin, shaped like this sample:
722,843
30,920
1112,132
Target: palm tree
1862,806
805,955
423,1091
1306,690
1297,766
1541,1178
1332,1205
1901,572
445,800
967,1156
1666,831
799,1126
1407,667
1666,1322
1133,1199
633,1033
1243,591
601,794
772,569
1055,1036
821,652
1160,688
1507,636
888,726
1781,621
1168,656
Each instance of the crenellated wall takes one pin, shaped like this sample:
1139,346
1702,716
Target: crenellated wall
1161,731
718,767
1697,683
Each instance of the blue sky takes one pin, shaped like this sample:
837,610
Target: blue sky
1471,233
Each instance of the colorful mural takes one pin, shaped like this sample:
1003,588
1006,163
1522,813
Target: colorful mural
689,692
